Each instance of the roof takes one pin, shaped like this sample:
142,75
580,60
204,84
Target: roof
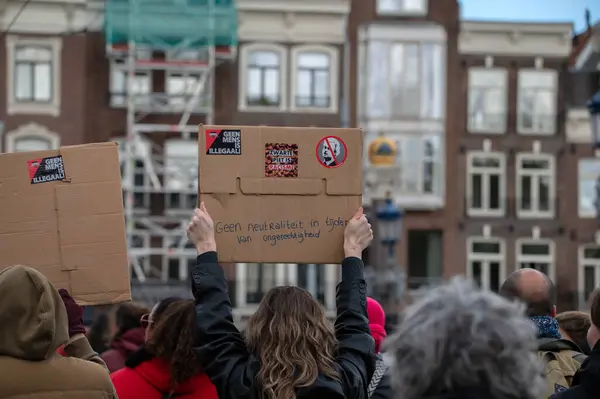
582,46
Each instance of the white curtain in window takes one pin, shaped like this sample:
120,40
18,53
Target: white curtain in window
263,76
432,81
33,74
378,72
181,164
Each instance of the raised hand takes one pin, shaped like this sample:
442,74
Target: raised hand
358,235
201,231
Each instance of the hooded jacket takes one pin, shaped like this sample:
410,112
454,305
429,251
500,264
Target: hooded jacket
34,326
148,377
121,347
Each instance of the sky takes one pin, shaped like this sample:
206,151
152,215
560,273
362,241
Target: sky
532,10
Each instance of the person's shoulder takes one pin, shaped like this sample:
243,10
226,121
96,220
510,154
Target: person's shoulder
87,373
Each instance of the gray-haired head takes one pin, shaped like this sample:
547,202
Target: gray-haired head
457,338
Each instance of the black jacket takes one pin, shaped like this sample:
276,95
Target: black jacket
384,388
233,369
586,383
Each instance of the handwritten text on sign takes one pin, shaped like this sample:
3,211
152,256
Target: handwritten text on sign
283,230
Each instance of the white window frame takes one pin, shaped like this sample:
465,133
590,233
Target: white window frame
142,153
119,66
582,263
417,171
485,259
244,57
333,54
34,131
52,107
503,75
486,211
535,176
583,213
534,131
180,198
549,259
402,11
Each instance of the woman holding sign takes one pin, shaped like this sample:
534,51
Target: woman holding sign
291,350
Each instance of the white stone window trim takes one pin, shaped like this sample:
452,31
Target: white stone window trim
244,57
549,259
34,131
486,172
486,259
12,105
581,265
334,63
535,213
534,132
503,73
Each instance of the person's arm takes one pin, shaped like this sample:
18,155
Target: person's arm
78,346
356,350
220,346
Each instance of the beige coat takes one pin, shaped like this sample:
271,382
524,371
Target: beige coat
33,326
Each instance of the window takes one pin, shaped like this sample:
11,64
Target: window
589,273
485,262
142,85
260,279
312,278
589,172
33,75
536,254
262,76
486,185
402,6
420,159
141,176
487,100
314,79
535,185
405,80
425,258
31,137
537,102
181,87
181,174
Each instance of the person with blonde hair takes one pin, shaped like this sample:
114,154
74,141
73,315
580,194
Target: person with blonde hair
291,349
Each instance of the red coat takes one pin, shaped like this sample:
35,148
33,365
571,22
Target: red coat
151,380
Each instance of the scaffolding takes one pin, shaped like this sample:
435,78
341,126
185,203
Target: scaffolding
186,39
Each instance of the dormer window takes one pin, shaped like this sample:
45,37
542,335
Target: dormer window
409,7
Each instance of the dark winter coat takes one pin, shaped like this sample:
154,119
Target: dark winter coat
121,347
586,383
233,369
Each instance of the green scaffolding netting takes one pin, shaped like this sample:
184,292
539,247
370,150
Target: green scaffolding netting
185,24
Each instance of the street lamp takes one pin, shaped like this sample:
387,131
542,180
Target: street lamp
594,107
389,222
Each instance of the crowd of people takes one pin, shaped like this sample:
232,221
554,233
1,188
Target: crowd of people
455,342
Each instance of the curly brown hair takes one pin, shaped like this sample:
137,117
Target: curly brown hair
293,341
173,338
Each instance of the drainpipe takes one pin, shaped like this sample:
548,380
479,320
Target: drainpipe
345,97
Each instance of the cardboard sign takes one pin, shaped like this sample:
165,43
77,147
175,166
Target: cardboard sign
61,212
280,194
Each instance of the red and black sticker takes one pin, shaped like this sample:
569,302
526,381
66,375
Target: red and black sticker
45,170
281,160
223,142
331,152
